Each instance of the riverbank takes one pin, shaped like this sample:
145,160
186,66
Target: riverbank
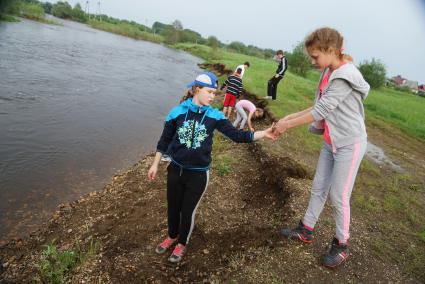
254,191
30,11
59,153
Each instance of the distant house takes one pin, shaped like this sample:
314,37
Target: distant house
421,91
413,85
398,80
403,82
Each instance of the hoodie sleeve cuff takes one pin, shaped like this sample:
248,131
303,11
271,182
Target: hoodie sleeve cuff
316,115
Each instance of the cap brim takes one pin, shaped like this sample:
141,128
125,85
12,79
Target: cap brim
202,84
191,85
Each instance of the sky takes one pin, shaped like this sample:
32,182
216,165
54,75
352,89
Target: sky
390,30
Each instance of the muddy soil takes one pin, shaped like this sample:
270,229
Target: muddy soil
235,238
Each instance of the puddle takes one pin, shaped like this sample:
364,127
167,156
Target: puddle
377,155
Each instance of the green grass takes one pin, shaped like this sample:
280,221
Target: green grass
222,165
222,158
403,110
369,167
421,235
365,202
8,18
29,11
54,265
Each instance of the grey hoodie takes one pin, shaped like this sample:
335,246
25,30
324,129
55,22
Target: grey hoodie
341,105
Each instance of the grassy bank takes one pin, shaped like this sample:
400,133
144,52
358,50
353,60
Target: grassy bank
8,18
125,29
29,11
400,109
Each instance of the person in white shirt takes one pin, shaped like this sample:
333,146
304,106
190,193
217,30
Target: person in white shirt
243,67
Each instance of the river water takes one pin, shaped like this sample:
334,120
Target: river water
76,106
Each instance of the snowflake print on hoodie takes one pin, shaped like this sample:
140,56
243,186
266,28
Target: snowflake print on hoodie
192,134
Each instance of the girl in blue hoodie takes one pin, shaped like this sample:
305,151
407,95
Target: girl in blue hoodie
187,138
338,115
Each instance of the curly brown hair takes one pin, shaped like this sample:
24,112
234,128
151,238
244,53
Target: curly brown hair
325,40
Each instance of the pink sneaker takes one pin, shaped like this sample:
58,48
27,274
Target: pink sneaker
162,247
177,254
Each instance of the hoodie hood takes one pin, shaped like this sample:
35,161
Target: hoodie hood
189,105
352,75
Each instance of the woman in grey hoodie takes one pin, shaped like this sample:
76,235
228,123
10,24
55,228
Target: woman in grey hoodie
338,114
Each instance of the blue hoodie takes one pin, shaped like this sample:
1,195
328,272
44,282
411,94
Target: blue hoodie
188,134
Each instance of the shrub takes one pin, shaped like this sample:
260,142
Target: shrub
55,264
78,14
298,61
31,11
213,42
62,10
374,72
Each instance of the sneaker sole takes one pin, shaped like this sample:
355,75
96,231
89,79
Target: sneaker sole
336,265
297,238
160,252
174,260
304,240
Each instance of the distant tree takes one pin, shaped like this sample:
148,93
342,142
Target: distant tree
269,53
254,51
188,35
172,33
374,72
78,14
298,61
237,46
47,6
62,10
159,27
31,10
213,42
177,25
8,7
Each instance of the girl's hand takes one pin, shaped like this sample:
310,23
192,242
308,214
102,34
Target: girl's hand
280,127
251,129
269,133
152,172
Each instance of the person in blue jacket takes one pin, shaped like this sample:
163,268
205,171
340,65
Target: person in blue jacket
187,138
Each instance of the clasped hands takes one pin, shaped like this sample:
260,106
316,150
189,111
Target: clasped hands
277,129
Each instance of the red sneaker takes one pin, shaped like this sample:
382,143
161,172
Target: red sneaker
162,247
177,254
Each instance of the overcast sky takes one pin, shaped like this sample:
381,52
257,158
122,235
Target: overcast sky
390,30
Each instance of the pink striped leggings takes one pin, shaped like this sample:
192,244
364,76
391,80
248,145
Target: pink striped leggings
335,175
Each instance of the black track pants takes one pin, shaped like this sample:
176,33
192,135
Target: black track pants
272,86
184,192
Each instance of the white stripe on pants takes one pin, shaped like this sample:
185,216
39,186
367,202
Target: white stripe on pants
196,207
240,117
335,175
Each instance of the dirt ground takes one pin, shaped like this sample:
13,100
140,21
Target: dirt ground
253,192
